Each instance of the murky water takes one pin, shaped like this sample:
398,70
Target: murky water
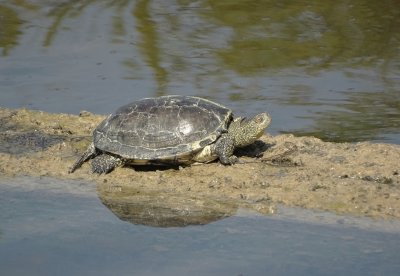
329,69
52,227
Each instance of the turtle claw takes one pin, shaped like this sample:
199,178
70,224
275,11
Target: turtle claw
238,161
229,160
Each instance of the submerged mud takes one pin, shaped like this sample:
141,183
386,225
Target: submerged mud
346,178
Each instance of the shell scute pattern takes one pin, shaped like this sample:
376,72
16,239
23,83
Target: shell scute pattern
162,128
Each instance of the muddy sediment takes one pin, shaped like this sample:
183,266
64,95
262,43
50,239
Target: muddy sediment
345,178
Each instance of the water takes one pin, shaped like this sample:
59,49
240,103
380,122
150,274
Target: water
53,227
322,68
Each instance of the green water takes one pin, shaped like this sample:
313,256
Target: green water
323,68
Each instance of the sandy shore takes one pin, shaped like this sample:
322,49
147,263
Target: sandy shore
358,179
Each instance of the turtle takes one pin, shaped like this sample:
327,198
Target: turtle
170,130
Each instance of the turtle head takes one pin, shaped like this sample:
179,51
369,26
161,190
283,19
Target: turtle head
246,132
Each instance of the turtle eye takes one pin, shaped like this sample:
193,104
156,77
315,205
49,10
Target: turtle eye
259,119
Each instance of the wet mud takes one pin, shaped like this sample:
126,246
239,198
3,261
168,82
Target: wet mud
345,178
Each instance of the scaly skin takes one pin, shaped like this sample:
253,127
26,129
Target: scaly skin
246,132
105,163
240,134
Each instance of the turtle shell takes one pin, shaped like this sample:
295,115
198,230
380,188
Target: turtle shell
163,128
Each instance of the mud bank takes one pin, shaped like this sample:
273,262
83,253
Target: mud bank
358,179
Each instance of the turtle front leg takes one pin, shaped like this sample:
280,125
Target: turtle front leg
105,163
224,148
89,153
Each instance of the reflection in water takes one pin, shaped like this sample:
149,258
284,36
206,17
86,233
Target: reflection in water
9,29
312,34
243,53
265,34
61,12
54,227
160,210
119,28
150,45
363,116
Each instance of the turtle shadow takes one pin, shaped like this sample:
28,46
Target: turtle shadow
255,150
153,167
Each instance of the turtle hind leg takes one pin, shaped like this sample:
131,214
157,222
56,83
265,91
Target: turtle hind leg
89,153
105,163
